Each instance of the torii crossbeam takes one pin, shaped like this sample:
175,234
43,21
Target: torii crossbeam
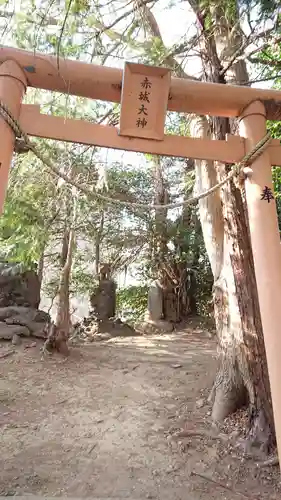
19,69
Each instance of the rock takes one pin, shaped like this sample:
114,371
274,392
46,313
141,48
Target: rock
5,353
115,328
150,327
19,301
18,287
100,336
103,299
37,329
33,319
41,316
7,312
16,339
20,313
91,330
200,403
164,326
8,331
29,346
155,302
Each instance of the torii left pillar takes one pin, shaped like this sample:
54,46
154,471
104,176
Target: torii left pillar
13,84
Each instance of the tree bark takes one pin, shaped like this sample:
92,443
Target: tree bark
161,198
98,242
228,393
242,376
63,321
60,329
40,271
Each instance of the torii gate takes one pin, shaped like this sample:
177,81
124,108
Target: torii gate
145,94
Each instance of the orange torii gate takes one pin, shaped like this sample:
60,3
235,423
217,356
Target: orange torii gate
145,94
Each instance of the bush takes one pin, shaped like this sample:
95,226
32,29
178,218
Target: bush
131,302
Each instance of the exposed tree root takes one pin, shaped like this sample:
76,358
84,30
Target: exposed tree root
228,393
56,341
259,441
269,462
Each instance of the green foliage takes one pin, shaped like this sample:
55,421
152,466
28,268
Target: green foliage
132,302
82,281
204,281
23,224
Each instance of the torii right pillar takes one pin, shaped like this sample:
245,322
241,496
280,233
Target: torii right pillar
265,239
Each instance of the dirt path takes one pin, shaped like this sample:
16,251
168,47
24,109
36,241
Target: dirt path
100,424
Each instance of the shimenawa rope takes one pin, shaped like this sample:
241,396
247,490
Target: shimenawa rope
29,145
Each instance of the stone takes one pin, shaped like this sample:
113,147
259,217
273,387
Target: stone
41,316
37,329
150,327
91,330
29,346
5,353
25,321
20,313
16,339
155,302
200,403
103,300
35,320
18,287
115,328
8,331
164,326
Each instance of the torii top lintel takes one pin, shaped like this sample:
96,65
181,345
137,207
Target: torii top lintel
104,83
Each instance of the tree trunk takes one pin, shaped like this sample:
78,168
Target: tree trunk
242,376
63,321
161,198
98,243
40,271
59,331
228,393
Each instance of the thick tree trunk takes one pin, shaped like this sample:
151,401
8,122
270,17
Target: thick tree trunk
242,375
176,279
253,357
228,393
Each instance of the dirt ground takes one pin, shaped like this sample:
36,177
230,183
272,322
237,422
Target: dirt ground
102,423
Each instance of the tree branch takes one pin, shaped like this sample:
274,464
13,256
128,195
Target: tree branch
169,60
249,41
126,14
267,62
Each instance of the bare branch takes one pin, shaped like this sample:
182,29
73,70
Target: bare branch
126,14
62,31
239,55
